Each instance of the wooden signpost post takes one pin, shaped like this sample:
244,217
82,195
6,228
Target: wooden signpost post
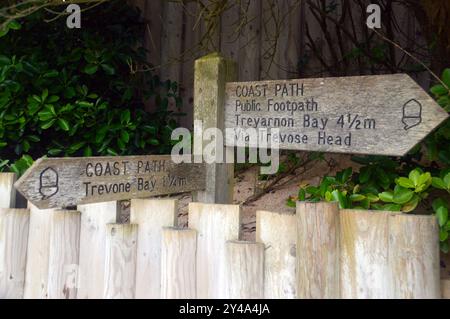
63,182
380,115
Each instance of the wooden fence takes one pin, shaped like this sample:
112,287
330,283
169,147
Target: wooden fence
319,252
268,39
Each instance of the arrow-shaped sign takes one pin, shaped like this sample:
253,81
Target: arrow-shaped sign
63,182
382,114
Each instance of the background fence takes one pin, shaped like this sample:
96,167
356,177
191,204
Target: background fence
276,39
319,252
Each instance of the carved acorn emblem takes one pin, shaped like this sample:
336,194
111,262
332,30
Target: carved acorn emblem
48,183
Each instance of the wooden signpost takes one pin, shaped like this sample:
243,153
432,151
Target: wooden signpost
63,182
381,114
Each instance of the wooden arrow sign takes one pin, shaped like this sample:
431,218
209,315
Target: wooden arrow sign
383,114
63,182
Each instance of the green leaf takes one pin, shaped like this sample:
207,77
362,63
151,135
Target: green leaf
387,197
443,235
414,176
48,124
364,174
392,207
402,195
442,215
439,90
125,117
63,124
87,151
54,151
110,151
438,183
447,180
340,198
438,202
446,77
372,198
14,25
357,197
44,95
301,194
108,69
411,205
124,136
153,141
405,182
90,69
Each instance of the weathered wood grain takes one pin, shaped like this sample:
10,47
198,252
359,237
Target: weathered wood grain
414,257
64,254
94,218
211,74
38,249
63,182
364,254
250,40
120,262
215,224
7,191
14,226
280,253
171,42
445,288
151,215
178,258
382,114
317,250
245,269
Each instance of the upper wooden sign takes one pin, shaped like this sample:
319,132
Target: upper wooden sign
382,114
63,182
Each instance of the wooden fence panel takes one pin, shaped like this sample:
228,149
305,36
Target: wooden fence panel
91,272
414,256
364,254
7,190
317,250
120,261
38,249
151,215
178,270
64,251
280,253
245,270
215,225
14,226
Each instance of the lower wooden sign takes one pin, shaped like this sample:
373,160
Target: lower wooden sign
63,182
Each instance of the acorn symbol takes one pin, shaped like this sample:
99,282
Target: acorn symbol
412,114
48,183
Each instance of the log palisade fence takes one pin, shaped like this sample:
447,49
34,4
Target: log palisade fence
319,252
